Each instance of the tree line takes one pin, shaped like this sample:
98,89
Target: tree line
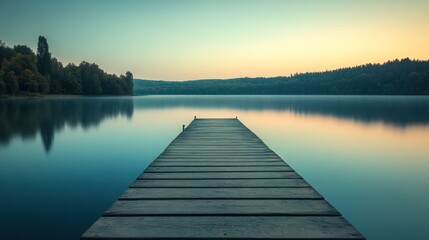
397,77
24,72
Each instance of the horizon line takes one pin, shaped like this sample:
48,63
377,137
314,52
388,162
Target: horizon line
297,73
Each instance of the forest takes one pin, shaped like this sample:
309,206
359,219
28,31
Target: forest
22,72
397,77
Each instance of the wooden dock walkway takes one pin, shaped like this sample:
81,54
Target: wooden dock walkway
218,180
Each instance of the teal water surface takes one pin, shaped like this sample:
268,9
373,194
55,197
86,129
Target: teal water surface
64,161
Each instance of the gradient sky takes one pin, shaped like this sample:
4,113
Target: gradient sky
177,40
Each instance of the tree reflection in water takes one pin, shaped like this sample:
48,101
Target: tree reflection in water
27,117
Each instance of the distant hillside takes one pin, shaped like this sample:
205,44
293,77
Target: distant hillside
398,77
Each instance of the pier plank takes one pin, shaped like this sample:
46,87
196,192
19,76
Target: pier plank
270,207
219,175
220,193
222,227
221,183
218,180
184,163
153,169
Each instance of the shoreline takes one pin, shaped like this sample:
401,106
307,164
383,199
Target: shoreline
58,96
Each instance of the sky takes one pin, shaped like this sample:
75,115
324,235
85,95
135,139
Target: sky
180,40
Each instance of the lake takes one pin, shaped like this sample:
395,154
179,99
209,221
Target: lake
64,161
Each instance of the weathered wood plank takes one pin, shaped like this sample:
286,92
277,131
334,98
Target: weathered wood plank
259,147
221,175
271,207
196,154
222,227
255,147
184,163
217,154
221,193
217,158
217,150
218,180
221,183
233,136
219,140
152,169
232,161
214,144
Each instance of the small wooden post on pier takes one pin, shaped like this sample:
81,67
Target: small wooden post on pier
218,180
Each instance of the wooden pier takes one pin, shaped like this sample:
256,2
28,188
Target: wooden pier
218,180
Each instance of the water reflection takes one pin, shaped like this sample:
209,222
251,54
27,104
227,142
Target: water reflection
27,117
397,111
368,156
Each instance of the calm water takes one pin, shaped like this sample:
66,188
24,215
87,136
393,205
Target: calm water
64,161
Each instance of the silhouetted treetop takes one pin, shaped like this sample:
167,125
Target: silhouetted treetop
43,56
22,72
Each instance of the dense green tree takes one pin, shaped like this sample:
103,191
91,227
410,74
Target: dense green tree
90,78
44,63
94,85
72,82
57,76
5,52
21,62
3,89
42,82
27,81
22,49
22,72
129,82
111,86
30,80
11,81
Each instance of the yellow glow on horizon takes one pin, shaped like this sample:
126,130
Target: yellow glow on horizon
345,39
224,39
